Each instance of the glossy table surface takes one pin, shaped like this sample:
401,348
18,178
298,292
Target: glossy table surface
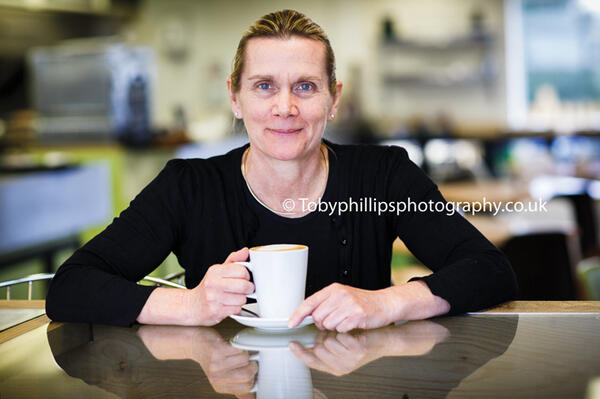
517,350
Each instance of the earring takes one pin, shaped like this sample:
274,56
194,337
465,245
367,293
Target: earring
332,116
236,114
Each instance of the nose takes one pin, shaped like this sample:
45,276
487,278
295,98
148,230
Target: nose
285,105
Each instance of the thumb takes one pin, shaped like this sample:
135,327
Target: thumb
238,256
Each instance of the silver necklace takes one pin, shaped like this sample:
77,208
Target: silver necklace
245,157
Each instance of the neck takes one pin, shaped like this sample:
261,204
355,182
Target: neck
272,181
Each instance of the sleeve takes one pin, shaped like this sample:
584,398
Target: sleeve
469,271
97,284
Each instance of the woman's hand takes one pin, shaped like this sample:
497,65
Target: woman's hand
228,369
222,291
342,353
334,353
343,308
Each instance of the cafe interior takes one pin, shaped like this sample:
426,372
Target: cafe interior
498,101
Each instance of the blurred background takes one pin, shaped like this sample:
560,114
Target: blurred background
492,98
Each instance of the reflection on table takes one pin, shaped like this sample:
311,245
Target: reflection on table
412,358
494,355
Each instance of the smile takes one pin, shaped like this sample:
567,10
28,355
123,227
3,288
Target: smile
284,131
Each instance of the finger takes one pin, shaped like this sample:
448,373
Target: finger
227,350
322,336
330,312
332,316
307,307
329,362
244,373
350,342
336,347
306,356
237,286
228,363
238,256
234,270
326,356
347,324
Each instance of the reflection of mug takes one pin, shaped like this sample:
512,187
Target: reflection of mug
279,273
281,374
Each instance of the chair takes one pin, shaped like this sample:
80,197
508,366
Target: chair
162,282
543,266
29,280
48,276
586,221
588,274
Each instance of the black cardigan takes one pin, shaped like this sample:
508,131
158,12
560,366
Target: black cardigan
201,210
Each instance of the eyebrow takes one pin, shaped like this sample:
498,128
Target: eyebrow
270,77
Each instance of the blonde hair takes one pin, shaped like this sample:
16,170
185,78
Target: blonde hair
283,25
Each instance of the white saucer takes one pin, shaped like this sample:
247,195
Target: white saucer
253,339
264,323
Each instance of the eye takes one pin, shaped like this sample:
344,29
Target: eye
305,87
264,86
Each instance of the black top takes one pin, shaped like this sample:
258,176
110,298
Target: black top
201,210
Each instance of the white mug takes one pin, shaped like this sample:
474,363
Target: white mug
279,272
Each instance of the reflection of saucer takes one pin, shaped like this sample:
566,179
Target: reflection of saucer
264,323
253,339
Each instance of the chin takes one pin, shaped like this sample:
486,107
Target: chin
284,154
286,148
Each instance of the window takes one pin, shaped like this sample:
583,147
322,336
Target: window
553,64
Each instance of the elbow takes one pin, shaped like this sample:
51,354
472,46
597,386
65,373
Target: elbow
53,304
60,298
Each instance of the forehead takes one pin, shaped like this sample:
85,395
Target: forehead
296,55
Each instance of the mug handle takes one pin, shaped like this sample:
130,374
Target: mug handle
249,267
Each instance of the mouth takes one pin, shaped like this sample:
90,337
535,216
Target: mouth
284,131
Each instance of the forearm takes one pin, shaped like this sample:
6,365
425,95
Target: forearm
414,301
88,294
166,306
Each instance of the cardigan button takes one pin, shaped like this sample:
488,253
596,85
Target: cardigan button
344,241
345,272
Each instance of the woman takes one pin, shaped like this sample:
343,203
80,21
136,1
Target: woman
284,88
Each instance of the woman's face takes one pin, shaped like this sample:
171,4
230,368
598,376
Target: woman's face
284,97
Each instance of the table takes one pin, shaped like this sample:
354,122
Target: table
517,350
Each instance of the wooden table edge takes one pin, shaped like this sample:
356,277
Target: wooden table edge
23,304
23,328
543,307
28,325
